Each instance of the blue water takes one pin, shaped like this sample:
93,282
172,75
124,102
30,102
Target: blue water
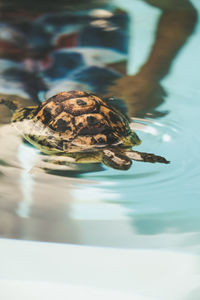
148,206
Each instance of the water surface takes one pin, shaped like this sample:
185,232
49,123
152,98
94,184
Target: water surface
148,206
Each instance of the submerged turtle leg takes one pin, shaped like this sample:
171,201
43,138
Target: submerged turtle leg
87,157
146,157
116,159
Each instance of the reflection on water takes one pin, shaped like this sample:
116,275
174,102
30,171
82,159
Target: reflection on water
27,186
149,205
142,207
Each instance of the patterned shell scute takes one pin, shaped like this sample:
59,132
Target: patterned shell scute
82,118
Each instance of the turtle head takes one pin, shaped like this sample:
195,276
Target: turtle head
12,105
18,113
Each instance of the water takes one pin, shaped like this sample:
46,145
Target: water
148,206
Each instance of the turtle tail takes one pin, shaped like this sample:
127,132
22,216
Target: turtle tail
11,104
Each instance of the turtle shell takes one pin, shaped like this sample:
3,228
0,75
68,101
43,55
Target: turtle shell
80,121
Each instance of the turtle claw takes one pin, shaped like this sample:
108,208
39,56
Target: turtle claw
146,157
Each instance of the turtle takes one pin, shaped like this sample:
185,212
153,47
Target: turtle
81,126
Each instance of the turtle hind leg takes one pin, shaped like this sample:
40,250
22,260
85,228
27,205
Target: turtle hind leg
116,159
146,157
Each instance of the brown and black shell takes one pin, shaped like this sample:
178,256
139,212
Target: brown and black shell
82,120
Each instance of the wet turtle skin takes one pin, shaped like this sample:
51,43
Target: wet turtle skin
83,126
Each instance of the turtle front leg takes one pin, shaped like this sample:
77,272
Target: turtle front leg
116,159
146,157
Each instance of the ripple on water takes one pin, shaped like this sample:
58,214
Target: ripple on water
148,195
167,138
